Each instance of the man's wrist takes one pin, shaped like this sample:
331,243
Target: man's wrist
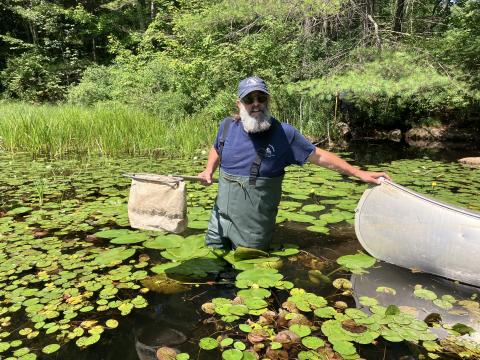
356,172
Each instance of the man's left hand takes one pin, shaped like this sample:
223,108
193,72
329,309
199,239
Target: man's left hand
371,176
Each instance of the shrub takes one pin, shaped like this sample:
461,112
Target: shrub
30,77
145,82
394,90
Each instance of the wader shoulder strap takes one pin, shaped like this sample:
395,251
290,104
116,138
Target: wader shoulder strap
255,168
261,152
226,126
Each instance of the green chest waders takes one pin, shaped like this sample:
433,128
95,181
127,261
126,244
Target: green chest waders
244,214
245,209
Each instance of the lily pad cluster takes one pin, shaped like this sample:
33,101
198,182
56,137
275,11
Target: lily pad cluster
69,258
307,326
290,333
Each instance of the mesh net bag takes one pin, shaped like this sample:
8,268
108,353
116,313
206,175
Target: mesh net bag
157,202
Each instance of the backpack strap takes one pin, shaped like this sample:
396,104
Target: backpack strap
221,143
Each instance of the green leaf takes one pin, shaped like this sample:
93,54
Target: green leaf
300,330
19,211
111,323
425,294
326,312
164,242
132,238
50,348
386,290
182,356
255,303
344,348
276,345
248,355
245,328
208,343
262,277
4,346
316,277
114,256
368,301
313,208
463,329
21,352
232,354
85,341
313,342
443,304
254,293
392,310
226,342
239,345
113,233
285,252
357,261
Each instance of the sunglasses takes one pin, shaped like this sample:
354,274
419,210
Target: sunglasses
249,99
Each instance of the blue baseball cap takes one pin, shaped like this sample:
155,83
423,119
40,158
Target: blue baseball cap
252,83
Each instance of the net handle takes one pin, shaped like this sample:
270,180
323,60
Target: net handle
175,178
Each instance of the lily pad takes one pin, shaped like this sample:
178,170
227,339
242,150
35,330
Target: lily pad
164,242
357,261
132,238
425,294
112,233
208,343
50,348
313,342
114,256
262,277
232,354
300,330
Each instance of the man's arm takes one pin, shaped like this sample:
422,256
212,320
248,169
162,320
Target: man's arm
331,161
212,164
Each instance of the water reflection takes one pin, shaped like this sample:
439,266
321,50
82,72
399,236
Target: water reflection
403,281
376,152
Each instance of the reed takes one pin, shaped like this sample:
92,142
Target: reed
108,129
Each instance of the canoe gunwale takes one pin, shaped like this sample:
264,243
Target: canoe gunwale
435,202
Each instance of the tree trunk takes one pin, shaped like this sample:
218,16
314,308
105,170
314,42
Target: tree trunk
398,17
140,15
307,34
94,52
33,28
325,31
153,10
369,5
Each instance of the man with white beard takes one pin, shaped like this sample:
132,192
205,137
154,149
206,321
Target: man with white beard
253,149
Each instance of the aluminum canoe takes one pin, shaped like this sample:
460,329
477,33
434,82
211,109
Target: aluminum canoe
402,227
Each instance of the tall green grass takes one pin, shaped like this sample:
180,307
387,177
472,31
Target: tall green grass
109,129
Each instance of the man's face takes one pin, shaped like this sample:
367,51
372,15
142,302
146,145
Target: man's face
256,104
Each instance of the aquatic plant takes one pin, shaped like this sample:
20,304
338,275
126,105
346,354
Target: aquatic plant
72,267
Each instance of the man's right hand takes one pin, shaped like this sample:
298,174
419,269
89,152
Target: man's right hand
206,177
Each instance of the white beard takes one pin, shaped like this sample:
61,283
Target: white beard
253,125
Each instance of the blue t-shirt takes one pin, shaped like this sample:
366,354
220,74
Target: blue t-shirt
283,143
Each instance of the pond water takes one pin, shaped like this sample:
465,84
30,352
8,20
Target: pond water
67,292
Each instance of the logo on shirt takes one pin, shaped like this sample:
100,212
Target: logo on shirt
270,151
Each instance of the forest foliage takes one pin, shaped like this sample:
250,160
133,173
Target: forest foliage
369,63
